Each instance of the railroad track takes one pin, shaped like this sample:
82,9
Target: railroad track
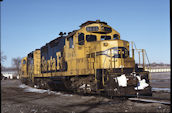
150,100
145,99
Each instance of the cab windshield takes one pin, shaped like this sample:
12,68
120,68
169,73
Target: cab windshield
115,36
105,37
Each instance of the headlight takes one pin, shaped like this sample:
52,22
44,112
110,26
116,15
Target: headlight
105,44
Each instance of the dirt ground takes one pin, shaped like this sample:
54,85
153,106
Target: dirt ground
15,99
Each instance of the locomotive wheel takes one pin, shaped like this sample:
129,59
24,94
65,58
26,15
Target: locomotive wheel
42,83
84,85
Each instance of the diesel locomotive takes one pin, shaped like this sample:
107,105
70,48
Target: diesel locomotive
91,60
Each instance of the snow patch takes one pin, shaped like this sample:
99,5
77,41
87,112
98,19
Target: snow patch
138,77
23,86
162,89
122,80
67,95
83,86
31,89
142,84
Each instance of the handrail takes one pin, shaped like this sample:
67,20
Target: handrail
143,53
147,58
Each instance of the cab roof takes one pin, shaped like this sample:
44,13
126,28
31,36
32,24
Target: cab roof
91,22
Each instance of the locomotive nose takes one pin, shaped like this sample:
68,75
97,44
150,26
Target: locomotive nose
115,54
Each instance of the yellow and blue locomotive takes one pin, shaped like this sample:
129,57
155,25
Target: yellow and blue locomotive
91,60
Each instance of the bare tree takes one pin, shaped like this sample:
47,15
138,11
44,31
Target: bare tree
16,64
2,59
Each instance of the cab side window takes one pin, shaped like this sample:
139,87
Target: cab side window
71,42
81,39
115,36
91,38
105,37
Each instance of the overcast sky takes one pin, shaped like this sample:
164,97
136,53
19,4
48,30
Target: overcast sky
29,24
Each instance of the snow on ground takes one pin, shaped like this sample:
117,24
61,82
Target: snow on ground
31,89
162,89
23,86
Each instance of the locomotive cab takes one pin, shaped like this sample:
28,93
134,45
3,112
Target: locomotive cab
101,44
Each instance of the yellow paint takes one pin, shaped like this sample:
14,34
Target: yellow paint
23,70
37,62
58,54
81,59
